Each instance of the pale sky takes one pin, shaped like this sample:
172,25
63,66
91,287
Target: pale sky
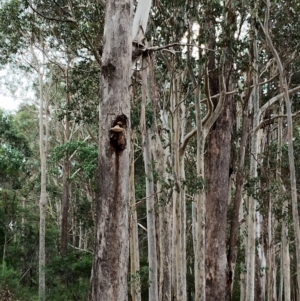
8,103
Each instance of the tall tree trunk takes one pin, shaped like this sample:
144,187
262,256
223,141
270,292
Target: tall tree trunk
165,235
200,198
219,145
285,278
179,209
251,218
66,188
110,265
285,257
43,138
199,250
234,227
284,88
147,134
65,207
133,234
203,127
161,157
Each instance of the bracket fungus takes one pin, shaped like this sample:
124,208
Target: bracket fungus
117,128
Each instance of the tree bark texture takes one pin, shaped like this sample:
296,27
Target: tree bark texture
179,206
219,145
110,265
161,155
251,218
65,207
43,138
66,188
147,134
234,227
199,217
133,234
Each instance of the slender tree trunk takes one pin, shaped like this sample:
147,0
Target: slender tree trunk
147,134
133,234
234,227
161,157
165,235
251,218
110,265
285,278
285,262
199,217
43,208
179,210
164,193
65,207
43,138
66,192
271,271
260,260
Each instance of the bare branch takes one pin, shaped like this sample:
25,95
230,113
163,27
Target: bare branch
276,98
186,139
263,123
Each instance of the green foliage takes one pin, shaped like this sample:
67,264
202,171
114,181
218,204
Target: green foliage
10,136
71,271
86,155
10,285
13,23
14,153
194,184
141,278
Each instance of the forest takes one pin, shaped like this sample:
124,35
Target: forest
154,154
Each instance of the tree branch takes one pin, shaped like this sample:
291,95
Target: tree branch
51,18
276,98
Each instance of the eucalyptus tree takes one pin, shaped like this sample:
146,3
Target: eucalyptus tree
284,88
109,272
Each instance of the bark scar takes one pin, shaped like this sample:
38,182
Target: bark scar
118,133
108,70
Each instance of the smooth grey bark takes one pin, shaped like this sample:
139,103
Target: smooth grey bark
66,192
43,138
147,133
110,265
251,218
135,289
285,275
161,161
140,20
235,222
